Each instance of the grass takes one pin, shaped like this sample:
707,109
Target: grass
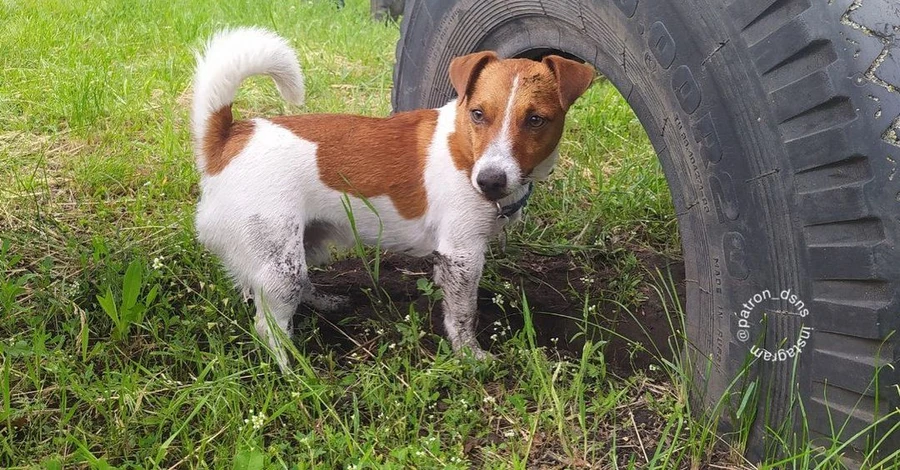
123,343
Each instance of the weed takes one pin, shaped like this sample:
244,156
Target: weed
159,367
131,308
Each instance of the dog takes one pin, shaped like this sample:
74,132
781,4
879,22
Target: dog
278,192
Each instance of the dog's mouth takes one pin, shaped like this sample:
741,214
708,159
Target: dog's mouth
494,197
499,195
517,193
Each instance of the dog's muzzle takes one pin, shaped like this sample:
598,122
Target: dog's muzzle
492,183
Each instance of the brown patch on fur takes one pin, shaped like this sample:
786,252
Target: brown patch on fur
545,89
224,139
369,157
464,70
574,78
536,95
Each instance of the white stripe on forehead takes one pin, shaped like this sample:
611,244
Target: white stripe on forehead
507,116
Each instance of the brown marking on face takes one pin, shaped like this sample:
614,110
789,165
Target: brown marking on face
369,157
544,89
224,139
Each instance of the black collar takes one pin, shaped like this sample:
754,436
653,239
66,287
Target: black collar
516,201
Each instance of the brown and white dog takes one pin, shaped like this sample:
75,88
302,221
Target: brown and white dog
277,192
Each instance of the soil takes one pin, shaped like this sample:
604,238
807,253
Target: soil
548,282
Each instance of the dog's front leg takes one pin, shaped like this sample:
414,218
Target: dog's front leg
457,274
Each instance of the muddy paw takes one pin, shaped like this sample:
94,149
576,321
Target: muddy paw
475,351
482,355
328,302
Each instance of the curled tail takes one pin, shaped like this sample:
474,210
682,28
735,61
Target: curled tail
232,56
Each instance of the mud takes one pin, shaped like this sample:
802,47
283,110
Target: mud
637,336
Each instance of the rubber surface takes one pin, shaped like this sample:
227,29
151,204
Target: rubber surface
776,123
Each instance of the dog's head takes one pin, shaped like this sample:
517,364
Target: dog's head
510,116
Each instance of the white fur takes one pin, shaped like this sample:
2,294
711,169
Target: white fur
231,57
462,216
499,153
254,213
255,204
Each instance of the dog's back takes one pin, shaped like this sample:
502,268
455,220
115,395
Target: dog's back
276,191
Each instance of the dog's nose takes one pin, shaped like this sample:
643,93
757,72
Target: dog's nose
492,183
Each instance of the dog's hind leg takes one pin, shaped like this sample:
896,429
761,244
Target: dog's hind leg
279,286
274,310
316,242
316,239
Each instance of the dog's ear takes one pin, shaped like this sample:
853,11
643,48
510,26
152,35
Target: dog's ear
464,71
573,78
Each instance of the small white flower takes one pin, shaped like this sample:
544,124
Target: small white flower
158,262
494,337
392,345
257,421
497,323
498,299
73,288
509,433
587,279
489,399
406,318
507,285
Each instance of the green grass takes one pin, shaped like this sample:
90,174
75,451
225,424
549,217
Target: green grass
123,343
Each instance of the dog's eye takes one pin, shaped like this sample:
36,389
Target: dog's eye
477,116
536,121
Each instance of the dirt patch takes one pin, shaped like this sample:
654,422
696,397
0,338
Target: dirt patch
637,336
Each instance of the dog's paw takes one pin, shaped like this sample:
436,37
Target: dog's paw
482,355
472,349
328,303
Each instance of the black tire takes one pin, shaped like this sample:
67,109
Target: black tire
776,123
